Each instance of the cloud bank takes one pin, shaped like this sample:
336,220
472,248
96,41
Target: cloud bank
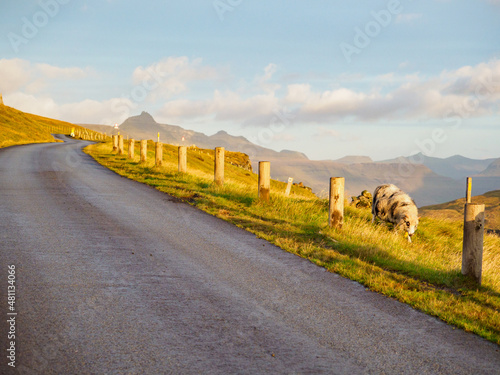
187,90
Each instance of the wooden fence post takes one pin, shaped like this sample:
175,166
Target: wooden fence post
158,154
115,141
131,151
219,166
336,209
120,145
264,180
144,150
182,159
472,252
289,186
468,191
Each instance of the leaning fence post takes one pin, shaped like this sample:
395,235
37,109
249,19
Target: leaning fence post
131,151
289,186
182,159
219,166
336,209
264,180
144,150
158,154
472,251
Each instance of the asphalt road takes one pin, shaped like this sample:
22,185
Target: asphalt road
114,277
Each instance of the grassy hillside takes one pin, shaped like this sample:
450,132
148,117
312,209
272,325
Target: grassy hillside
21,128
18,128
454,210
426,274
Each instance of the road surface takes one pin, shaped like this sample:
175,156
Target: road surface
114,277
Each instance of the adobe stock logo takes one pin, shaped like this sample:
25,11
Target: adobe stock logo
223,6
363,36
31,26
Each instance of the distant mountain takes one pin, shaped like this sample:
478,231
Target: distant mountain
425,186
353,159
493,170
433,181
144,126
456,167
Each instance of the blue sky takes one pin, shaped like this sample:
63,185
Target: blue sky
328,78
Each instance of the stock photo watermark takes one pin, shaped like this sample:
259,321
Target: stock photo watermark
30,26
11,315
364,35
223,6
138,93
454,118
282,119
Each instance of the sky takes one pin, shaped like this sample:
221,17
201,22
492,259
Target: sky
327,78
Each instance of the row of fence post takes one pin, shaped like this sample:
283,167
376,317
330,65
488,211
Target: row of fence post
88,135
78,132
472,252
336,210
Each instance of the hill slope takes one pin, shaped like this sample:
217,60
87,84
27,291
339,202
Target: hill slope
21,128
454,210
18,128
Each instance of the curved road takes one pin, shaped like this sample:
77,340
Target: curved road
114,277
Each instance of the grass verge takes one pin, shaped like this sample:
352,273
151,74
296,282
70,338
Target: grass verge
424,274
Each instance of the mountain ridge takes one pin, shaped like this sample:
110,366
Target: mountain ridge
432,181
456,166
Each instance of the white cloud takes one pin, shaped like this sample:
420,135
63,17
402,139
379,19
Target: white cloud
406,97
15,74
264,83
386,97
222,106
22,75
323,132
42,106
55,72
172,76
84,112
476,88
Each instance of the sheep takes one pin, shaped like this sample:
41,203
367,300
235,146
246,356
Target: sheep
393,205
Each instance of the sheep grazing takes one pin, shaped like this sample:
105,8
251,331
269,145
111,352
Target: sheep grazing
393,205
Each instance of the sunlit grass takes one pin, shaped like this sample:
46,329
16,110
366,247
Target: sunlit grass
19,128
425,273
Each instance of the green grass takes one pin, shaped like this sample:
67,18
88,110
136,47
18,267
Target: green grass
425,274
